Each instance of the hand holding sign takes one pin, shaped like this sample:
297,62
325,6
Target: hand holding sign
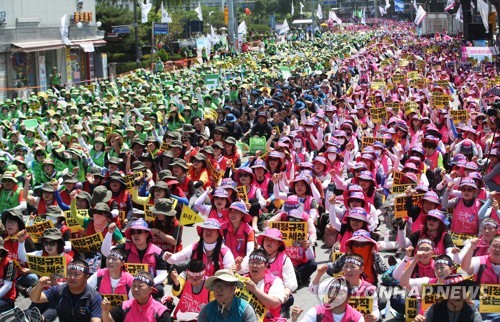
105,305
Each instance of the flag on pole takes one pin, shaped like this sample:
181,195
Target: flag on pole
483,11
284,27
363,19
164,15
415,5
64,30
450,4
188,216
242,28
333,16
145,9
382,11
293,9
199,12
301,8
459,16
420,16
319,12
399,6
388,5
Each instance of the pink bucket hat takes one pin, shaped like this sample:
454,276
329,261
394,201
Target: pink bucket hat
363,236
272,233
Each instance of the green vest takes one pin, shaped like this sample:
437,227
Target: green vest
9,199
98,158
37,170
81,171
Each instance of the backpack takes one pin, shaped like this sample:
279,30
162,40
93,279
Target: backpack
388,279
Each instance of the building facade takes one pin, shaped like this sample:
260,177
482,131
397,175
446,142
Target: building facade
32,50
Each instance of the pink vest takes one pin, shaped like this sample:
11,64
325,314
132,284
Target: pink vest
191,302
419,223
209,265
482,248
365,289
253,190
433,159
105,287
324,315
439,247
424,271
263,187
465,219
236,241
488,275
268,282
222,217
307,203
148,258
143,313
276,267
342,239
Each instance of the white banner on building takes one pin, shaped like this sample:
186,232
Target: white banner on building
42,73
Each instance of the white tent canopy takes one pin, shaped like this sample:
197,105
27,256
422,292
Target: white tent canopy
302,22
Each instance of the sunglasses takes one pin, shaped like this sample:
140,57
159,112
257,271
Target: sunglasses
241,175
49,243
273,160
136,232
432,219
467,189
429,145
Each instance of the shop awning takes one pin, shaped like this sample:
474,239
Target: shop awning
88,45
29,47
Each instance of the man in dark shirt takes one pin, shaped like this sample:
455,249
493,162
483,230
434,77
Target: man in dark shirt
74,300
262,128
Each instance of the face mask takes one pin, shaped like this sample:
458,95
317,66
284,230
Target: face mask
341,141
378,153
309,129
53,219
208,246
297,144
332,157
100,223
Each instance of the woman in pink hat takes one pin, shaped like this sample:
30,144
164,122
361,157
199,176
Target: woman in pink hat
301,188
302,252
436,229
218,209
417,214
210,248
265,183
239,236
466,207
363,245
139,242
255,200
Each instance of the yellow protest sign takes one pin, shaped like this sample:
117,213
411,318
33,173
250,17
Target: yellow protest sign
401,188
216,174
400,210
411,308
459,116
115,300
420,64
443,83
188,216
244,294
362,304
398,79
73,225
133,268
293,232
377,84
378,114
87,244
36,230
369,140
47,265
242,193
440,100
430,295
130,178
489,300
335,255
164,146
393,105
459,239
410,107
418,82
413,75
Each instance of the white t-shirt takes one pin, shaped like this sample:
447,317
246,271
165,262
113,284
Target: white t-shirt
311,314
475,263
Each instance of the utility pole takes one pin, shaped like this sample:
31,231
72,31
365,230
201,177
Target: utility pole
313,17
231,25
136,31
375,6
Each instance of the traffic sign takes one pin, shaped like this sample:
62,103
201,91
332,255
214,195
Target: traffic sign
160,28
125,29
